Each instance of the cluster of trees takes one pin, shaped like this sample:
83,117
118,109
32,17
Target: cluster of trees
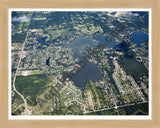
91,86
19,111
32,85
133,67
134,109
101,94
18,37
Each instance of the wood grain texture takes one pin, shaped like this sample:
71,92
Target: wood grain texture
6,4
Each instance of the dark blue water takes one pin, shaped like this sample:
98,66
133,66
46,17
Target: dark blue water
90,72
44,38
101,40
47,61
138,37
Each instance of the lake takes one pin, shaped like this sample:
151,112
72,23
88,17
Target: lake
90,72
101,40
44,38
80,46
82,43
138,37
47,61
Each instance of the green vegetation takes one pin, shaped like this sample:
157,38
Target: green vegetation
91,86
16,100
134,109
34,72
21,13
74,109
101,94
132,67
19,111
32,86
90,30
18,37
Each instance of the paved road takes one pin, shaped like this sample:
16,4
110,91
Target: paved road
115,107
14,79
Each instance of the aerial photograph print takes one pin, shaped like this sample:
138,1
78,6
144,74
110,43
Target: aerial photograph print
79,62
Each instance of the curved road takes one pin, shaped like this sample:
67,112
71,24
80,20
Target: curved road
14,79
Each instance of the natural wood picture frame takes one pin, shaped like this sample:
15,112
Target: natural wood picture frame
4,9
